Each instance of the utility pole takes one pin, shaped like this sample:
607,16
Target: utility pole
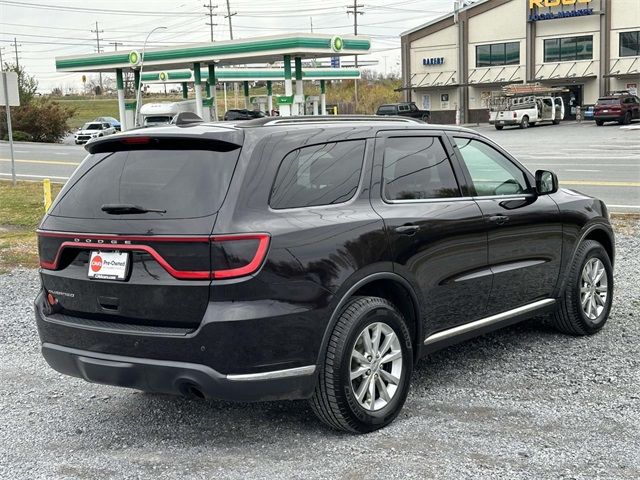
353,9
311,21
115,45
229,15
211,15
98,32
15,45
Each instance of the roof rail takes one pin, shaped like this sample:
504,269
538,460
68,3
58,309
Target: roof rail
271,121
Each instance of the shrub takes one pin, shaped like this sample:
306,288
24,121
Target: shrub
41,118
19,136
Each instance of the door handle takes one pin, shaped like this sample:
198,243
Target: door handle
499,219
407,229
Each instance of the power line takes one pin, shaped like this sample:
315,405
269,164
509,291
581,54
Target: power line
115,45
211,8
229,15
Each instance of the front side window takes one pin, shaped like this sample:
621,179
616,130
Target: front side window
417,168
491,172
323,174
630,44
568,49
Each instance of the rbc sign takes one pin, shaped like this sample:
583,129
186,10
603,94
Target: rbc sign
433,61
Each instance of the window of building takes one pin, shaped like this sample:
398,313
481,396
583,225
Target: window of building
322,174
497,54
491,172
568,49
630,44
417,168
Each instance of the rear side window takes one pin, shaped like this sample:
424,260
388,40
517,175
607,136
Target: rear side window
417,168
185,183
322,174
387,110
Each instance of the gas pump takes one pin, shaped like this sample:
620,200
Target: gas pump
259,102
312,105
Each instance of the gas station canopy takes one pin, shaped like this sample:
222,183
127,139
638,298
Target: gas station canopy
226,53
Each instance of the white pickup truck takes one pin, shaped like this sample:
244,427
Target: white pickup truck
525,110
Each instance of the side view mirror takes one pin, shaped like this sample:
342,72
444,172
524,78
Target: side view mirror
546,182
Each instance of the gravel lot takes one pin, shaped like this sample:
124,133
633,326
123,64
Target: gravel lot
525,402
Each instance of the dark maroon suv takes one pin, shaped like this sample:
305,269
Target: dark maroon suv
621,108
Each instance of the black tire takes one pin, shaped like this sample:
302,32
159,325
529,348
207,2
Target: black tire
334,400
569,317
599,123
524,123
499,127
425,118
556,122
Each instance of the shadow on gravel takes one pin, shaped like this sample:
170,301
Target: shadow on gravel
208,424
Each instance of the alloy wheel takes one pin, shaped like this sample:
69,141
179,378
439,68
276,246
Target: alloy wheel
594,289
376,366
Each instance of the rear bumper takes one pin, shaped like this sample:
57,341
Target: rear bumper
179,378
609,118
504,122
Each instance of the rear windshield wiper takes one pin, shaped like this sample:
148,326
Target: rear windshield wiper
126,208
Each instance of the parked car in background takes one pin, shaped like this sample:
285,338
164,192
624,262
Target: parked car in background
161,113
92,130
619,107
243,114
403,109
111,121
307,258
524,110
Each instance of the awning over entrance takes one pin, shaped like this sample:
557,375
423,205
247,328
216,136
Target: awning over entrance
566,70
496,75
433,79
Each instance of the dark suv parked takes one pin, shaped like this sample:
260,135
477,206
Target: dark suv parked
403,109
621,108
306,258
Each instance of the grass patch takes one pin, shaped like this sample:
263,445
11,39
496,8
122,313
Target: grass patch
21,209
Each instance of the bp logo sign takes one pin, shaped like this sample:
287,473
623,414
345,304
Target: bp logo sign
337,44
134,58
163,76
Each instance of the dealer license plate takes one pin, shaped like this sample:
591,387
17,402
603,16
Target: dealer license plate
108,265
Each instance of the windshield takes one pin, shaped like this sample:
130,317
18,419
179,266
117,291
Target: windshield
158,119
186,183
91,126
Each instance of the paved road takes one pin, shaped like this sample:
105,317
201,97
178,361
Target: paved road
600,161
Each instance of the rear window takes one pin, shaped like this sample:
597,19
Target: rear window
322,174
608,101
185,183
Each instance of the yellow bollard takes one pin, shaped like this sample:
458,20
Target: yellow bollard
46,186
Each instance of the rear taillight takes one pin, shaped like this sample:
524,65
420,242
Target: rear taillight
183,257
239,255
515,115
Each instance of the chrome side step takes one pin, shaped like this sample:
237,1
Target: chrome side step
483,322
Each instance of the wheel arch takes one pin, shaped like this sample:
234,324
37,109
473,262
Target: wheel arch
387,285
597,232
